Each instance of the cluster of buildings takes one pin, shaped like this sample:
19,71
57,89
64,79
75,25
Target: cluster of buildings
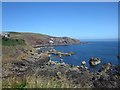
58,40
5,34
51,41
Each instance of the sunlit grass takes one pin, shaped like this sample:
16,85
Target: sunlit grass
35,82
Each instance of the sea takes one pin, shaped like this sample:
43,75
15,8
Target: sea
107,51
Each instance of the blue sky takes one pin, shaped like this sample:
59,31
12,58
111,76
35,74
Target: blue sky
83,20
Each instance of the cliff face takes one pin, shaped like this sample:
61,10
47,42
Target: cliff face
62,41
41,39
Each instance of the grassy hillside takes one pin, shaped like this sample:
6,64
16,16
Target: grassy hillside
30,38
12,42
18,44
41,39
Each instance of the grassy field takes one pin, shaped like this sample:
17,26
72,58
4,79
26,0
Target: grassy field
36,82
30,38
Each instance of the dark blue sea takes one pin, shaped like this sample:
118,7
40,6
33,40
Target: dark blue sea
107,51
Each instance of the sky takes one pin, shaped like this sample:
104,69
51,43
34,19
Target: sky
82,20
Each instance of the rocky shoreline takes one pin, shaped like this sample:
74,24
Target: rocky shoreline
106,77
23,61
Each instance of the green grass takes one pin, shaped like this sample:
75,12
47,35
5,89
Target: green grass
13,42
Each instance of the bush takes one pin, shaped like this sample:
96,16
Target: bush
16,39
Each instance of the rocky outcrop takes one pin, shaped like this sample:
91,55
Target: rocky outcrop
106,77
94,61
41,66
26,66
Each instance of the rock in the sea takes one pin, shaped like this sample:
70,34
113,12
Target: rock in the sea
118,56
83,63
94,61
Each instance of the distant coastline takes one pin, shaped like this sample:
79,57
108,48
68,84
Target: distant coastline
98,40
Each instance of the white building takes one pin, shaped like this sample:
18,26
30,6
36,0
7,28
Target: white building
51,42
